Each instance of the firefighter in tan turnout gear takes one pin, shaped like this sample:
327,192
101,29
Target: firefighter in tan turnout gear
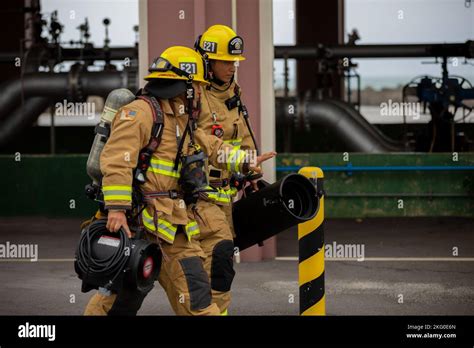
224,116
171,217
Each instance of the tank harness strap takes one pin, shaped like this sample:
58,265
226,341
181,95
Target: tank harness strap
235,101
146,153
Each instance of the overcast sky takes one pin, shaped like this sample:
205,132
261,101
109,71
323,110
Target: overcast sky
410,21
378,21
123,15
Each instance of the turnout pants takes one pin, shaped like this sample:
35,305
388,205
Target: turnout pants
216,241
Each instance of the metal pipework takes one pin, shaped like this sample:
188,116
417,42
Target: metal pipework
41,89
79,54
72,85
22,117
349,125
377,51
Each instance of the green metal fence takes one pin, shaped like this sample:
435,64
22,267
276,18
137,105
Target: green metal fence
357,185
45,185
383,185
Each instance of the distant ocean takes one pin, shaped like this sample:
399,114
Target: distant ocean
376,83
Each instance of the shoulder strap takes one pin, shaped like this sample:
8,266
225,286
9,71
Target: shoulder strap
237,90
191,125
144,157
155,108
245,113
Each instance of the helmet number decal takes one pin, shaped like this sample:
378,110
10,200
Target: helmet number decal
190,68
209,46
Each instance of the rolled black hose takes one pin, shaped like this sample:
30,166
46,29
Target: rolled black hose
107,267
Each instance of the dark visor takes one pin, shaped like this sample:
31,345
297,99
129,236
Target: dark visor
161,64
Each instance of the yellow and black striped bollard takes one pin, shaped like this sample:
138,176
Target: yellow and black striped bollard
311,253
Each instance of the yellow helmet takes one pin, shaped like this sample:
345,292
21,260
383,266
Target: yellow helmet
221,43
179,63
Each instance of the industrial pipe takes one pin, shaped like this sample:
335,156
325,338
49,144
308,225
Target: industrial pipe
114,53
351,127
59,86
377,51
81,54
22,117
32,94
363,123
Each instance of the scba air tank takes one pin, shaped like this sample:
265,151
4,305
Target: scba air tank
115,100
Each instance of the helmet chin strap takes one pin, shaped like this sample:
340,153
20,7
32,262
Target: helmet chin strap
220,82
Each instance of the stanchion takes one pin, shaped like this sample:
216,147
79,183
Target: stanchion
311,252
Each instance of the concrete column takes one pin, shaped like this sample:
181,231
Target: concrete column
143,62
267,102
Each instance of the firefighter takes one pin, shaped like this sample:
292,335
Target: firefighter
171,217
225,117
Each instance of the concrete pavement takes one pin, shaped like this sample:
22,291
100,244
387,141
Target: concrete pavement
381,286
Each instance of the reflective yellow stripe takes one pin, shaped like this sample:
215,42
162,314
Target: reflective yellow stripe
192,225
117,198
164,233
163,172
236,143
216,195
241,155
230,159
224,313
166,229
164,167
167,224
192,229
164,162
117,187
117,193
217,198
234,160
223,195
